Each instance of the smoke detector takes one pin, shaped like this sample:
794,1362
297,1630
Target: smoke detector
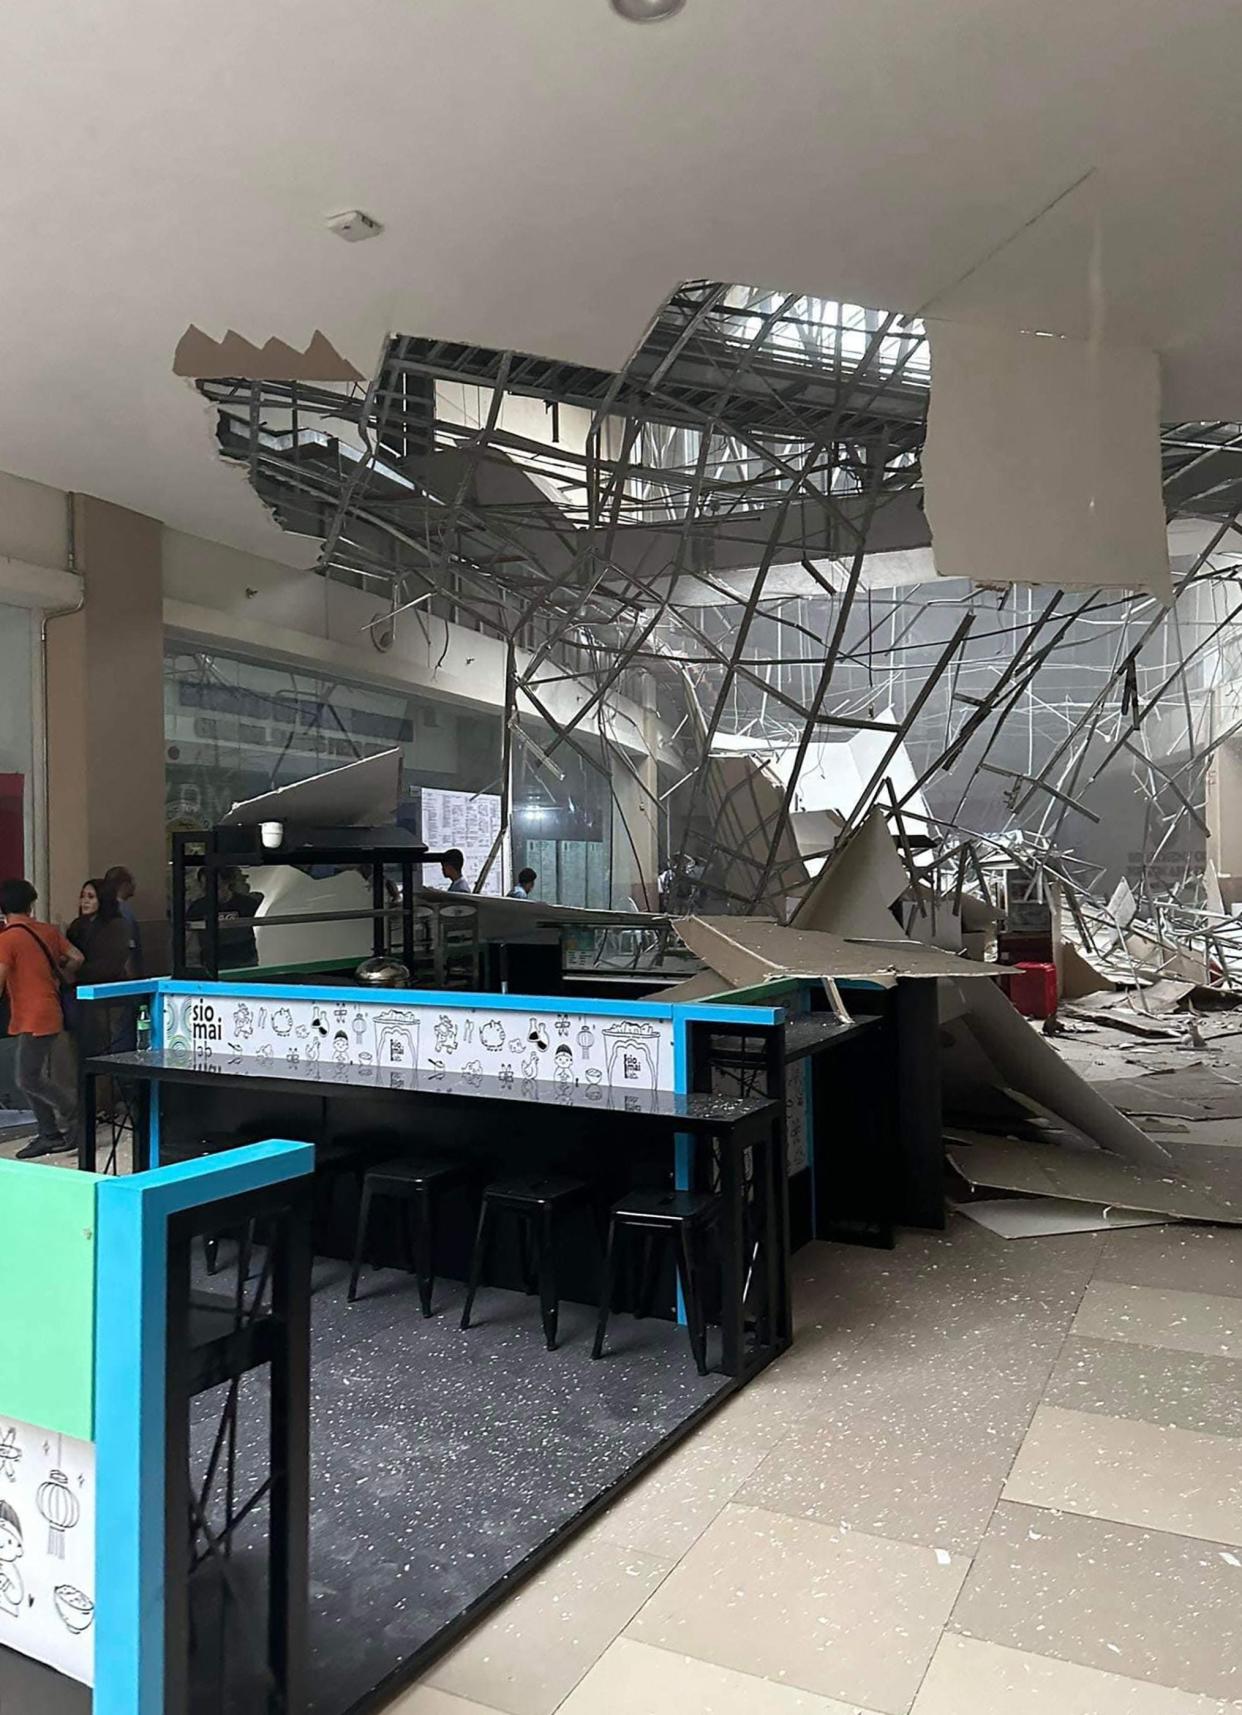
353,225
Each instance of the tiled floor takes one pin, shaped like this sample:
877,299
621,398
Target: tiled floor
991,1478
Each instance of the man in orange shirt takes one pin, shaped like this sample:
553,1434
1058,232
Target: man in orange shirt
33,958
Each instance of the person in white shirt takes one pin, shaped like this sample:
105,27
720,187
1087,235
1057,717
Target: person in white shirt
451,866
525,884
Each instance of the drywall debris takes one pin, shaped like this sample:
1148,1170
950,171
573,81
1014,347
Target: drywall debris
202,358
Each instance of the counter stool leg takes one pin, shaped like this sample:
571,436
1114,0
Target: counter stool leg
646,1274
476,1262
607,1289
527,1249
424,1249
547,1278
690,1293
360,1239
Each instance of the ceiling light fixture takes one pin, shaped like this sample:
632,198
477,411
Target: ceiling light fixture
647,11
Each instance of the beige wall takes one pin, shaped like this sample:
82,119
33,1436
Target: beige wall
105,715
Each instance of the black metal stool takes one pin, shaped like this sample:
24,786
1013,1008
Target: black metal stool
676,1216
416,1185
539,1204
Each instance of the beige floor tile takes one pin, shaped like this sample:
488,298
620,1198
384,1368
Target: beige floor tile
775,1403
1116,1378
675,1502
1140,1603
836,1612
861,1310
917,1450
1205,1322
1185,1259
426,1700
968,1677
1136,1473
528,1656
633,1679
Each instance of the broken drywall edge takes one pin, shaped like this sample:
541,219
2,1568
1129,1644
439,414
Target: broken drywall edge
1042,461
1025,1217
1086,1176
857,886
750,950
1024,1061
201,358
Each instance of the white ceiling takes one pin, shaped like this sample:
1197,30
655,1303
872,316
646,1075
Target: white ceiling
546,173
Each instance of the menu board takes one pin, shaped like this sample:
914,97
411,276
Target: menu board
470,821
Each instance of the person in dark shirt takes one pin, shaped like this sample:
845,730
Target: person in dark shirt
235,942
122,880
101,935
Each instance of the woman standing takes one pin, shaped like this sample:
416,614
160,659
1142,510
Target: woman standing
101,935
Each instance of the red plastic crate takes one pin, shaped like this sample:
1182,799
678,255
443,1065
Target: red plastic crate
1033,988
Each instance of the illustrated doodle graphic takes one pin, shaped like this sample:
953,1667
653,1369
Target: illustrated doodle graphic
266,1052
594,1075
282,1021
293,1056
58,1504
506,1075
516,1045
340,1012
12,1590
313,1048
303,1030
474,1072
563,1063
586,1037
76,1610
396,1038
360,1025
563,1025
631,1050
446,1034
340,1048
467,1031
537,1034
243,1021
10,1455
492,1035
530,1066
318,1024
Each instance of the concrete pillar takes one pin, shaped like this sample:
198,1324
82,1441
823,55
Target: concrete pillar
105,719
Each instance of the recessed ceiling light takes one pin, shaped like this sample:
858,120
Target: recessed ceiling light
647,11
353,226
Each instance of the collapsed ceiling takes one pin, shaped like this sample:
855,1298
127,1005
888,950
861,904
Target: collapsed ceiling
732,524
545,173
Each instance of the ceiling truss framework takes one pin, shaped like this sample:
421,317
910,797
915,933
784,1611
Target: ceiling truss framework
704,526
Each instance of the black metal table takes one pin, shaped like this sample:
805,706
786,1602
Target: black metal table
746,1134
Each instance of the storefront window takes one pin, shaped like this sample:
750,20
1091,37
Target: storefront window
234,729
562,819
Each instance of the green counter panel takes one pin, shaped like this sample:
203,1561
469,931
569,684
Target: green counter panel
47,1297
